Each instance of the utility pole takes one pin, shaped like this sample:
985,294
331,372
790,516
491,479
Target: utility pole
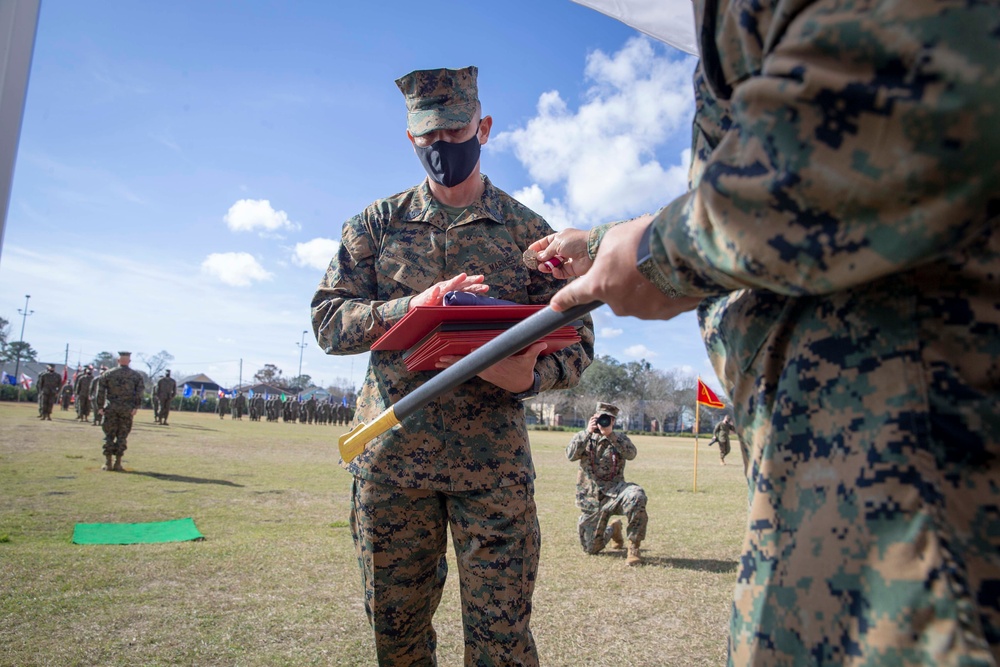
24,316
302,347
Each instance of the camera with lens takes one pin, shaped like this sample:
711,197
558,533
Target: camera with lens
604,421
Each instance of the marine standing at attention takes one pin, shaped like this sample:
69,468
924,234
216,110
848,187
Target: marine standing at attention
119,396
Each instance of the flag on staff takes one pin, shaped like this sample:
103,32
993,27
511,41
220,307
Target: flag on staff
250,392
707,397
202,393
222,392
65,374
343,401
187,391
267,396
9,379
26,381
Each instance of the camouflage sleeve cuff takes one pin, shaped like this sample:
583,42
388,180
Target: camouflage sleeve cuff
548,373
597,235
647,266
393,311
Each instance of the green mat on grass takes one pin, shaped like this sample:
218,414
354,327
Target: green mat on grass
180,530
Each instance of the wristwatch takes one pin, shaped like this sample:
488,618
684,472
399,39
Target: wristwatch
533,391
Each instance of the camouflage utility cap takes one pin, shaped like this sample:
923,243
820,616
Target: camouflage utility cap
439,99
607,409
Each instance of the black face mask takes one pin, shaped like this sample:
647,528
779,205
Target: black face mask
449,164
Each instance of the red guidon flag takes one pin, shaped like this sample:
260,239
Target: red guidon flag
707,397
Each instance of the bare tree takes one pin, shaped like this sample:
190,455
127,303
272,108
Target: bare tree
156,363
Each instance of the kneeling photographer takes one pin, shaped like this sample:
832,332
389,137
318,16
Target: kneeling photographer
601,489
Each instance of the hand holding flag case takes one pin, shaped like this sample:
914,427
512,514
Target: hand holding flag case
519,336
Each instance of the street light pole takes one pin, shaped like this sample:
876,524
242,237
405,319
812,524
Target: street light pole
302,347
24,317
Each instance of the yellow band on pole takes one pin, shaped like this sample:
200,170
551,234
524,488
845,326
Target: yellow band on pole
353,443
696,429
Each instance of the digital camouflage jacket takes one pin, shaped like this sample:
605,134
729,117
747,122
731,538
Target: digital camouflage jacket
475,436
843,226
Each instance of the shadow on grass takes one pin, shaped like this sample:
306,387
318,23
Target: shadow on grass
188,427
181,478
694,564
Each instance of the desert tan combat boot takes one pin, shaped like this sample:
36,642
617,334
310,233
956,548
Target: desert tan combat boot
107,463
617,541
118,465
633,558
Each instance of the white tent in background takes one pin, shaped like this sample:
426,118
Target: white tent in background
18,23
670,21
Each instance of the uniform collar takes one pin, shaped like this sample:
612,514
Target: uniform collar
424,208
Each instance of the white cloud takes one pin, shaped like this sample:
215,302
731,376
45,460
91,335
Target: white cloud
608,332
249,215
238,269
603,155
315,254
639,352
553,211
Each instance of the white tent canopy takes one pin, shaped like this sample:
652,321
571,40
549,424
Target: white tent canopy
670,21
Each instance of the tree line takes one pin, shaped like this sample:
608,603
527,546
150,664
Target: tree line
641,392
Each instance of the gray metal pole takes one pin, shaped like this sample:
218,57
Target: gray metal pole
302,347
24,318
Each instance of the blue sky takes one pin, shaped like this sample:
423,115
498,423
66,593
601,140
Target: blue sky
184,168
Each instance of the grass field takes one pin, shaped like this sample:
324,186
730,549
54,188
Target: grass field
276,582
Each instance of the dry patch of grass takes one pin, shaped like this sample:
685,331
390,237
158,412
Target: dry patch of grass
275,582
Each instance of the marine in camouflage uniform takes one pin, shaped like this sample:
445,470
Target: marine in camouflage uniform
65,396
95,387
223,406
81,388
464,460
257,404
239,406
310,406
842,233
166,389
48,385
601,489
721,436
118,398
